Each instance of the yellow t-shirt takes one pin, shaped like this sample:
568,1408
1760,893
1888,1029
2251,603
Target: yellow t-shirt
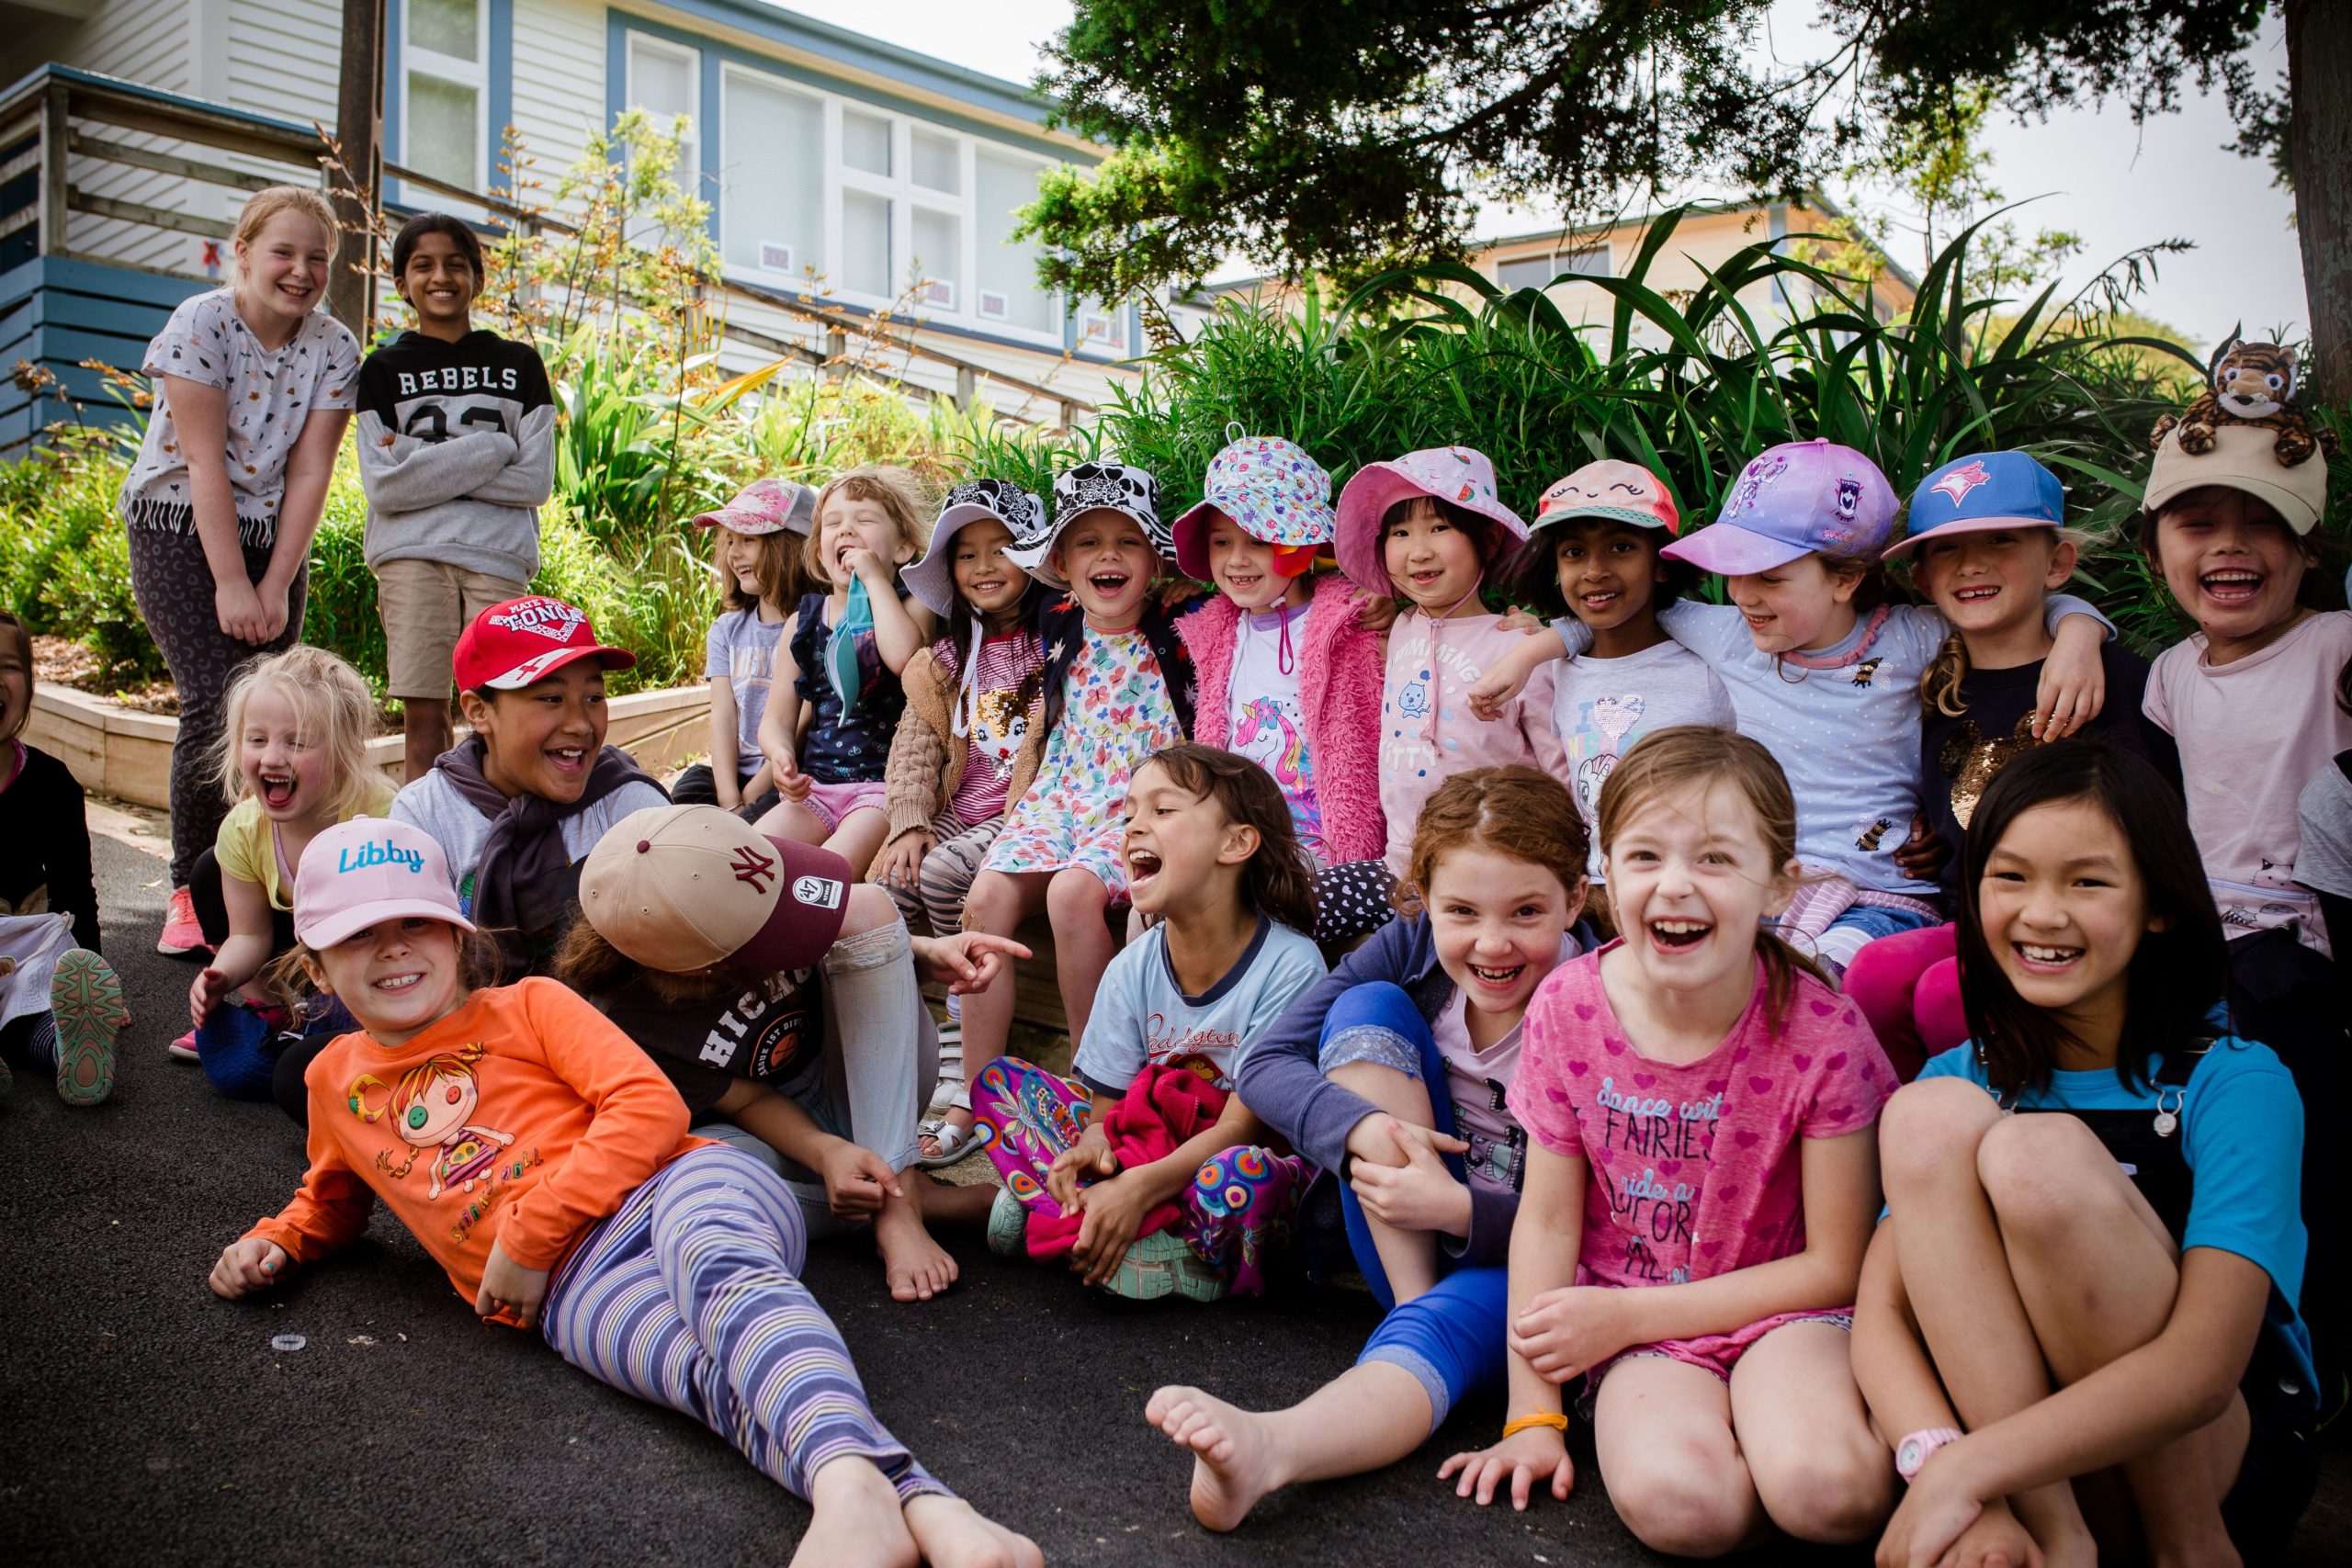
247,851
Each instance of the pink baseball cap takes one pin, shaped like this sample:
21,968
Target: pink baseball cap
1454,474
765,506
1791,500
1612,489
369,869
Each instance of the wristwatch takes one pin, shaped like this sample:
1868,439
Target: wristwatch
1911,1453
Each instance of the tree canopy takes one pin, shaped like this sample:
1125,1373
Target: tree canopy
1341,136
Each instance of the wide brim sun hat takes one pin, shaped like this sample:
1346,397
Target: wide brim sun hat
1103,485
1272,491
1612,490
931,578
1791,500
1984,492
1454,474
2241,459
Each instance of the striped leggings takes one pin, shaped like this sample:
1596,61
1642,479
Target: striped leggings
690,1297
946,876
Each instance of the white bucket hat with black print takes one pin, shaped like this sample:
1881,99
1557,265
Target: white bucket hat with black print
933,578
1104,485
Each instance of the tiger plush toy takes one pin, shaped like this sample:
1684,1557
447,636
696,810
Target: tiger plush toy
2252,383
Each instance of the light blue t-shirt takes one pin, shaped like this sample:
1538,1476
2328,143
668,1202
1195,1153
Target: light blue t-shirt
1142,1017
1847,737
740,650
2242,1133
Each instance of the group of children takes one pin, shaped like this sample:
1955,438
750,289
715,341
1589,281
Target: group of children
1654,1009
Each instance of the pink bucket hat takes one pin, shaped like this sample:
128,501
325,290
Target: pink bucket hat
1620,492
765,506
1454,474
1790,502
1274,491
369,869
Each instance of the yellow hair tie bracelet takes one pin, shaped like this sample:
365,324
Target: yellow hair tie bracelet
1551,1419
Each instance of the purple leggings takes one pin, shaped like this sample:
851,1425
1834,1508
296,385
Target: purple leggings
1907,985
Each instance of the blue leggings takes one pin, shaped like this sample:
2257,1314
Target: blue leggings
1452,1337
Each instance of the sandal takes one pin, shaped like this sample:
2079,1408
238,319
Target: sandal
952,1141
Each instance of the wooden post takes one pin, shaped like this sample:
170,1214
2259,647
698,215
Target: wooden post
52,171
359,126
967,385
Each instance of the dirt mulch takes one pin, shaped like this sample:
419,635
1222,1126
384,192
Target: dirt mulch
62,661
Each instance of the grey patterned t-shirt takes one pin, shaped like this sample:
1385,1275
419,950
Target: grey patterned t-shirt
269,396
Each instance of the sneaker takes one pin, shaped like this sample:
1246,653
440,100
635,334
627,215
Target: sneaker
1008,1226
183,937
1161,1265
185,1047
85,999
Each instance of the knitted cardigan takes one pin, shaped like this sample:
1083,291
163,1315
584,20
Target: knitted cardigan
1340,668
927,757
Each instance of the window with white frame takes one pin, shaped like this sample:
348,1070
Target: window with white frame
1537,272
1100,327
1004,279
772,192
444,51
665,81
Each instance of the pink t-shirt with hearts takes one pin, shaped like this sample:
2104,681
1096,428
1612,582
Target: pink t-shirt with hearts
1695,1169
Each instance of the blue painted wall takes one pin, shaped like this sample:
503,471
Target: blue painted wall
55,313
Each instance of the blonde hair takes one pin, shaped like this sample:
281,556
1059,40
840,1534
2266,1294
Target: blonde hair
264,205
1940,682
894,489
332,711
1691,757
12,630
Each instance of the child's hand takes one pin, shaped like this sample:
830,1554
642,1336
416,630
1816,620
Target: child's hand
1934,1514
1420,1194
1570,1331
1114,1213
790,781
876,571
507,1286
1523,1458
1374,612
387,438
1997,1537
900,863
2074,679
1521,619
247,1265
856,1180
1089,1159
969,961
204,994
1923,855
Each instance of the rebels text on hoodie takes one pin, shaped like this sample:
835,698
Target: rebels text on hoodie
470,455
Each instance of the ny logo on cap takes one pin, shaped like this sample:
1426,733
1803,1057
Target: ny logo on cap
1960,481
753,867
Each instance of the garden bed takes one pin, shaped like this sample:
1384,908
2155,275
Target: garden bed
116,749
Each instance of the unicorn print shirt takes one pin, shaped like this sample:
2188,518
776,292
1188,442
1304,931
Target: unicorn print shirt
1603,705
1268,725
1693,1169
1428,733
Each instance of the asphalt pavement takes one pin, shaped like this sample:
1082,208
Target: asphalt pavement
145,1421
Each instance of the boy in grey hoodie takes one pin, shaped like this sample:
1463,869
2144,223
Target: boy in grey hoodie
457,453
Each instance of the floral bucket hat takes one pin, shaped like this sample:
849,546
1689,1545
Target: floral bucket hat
1274,491
1616,491
1105,484
1454,474
933,578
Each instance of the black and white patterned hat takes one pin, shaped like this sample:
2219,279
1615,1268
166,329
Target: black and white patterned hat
1119,487
933,578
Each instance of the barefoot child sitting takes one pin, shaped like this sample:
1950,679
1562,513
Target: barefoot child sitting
1147,1172
1701,1176
1392,1069
2094,1248
777,994
543,1162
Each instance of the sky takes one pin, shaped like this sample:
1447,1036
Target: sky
2119,185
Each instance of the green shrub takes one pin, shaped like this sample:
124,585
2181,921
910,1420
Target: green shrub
89,589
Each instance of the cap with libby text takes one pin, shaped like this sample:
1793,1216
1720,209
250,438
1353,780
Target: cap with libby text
370,869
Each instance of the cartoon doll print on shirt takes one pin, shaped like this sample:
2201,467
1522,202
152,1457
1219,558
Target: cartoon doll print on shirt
430,1107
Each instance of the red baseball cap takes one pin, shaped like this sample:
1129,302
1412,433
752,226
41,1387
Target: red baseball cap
512,645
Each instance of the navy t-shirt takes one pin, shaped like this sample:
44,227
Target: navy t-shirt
851,746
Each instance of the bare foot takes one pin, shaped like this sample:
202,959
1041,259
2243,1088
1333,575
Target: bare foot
919,1267
952,1534
859,1521
1233,1457
944,1203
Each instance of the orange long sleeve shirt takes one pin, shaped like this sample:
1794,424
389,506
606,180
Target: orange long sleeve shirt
524,1117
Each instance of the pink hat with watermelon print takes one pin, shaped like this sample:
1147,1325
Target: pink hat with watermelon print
1272,491
1791,500
1453,474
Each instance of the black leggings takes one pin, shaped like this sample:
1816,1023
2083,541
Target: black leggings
173,583
213,909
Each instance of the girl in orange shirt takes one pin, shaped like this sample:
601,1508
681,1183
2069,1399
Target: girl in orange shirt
543,1160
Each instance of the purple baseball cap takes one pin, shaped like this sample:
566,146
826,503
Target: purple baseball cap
1793,500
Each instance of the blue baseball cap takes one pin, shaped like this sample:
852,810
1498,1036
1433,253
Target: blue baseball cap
1791,501
1979,494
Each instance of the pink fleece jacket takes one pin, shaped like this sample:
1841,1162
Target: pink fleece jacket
1340,674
